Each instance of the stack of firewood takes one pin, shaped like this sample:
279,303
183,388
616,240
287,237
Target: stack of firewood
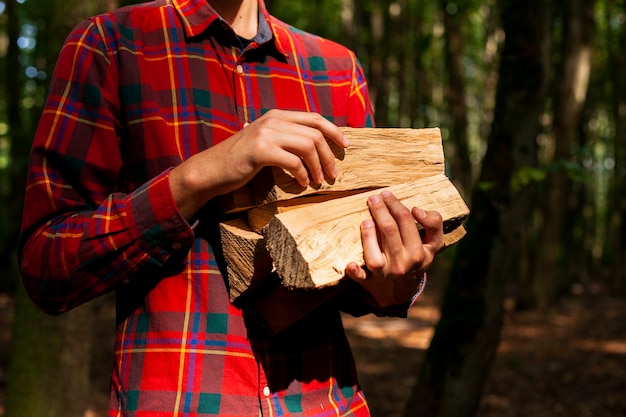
308,235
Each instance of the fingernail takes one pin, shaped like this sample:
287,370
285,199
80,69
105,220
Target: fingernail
421,213
374,199
367,224
386,193
346,142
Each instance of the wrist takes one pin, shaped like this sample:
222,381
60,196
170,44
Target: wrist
402,293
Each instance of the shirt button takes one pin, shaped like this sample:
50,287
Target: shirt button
176,246
239,69
266,391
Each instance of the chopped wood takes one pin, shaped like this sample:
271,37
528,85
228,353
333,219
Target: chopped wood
247,259
311,246
376,158
259,217
237,201
248,263
453,236
288,250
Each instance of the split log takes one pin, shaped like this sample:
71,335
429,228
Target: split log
376,158
247,261
453,236
311,246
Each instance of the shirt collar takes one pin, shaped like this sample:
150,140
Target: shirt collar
198,15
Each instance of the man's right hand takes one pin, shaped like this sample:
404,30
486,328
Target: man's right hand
291,140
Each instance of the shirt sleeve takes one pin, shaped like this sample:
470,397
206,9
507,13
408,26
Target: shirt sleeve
361,113
82,232
356,301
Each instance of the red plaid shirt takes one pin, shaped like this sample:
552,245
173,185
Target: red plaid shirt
134,93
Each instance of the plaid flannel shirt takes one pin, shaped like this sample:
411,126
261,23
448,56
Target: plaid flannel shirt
134,93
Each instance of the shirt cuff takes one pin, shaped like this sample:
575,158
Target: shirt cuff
397,310
161,228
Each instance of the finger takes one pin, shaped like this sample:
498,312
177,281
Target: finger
305,135
432,222
316,121
356,272
327,131
293,164
409,233
372,254
289,146
386,225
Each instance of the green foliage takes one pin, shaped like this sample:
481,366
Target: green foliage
525,176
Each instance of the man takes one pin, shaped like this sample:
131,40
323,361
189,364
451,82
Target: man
155,110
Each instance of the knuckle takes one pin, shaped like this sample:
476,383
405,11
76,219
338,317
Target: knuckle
316,116
388,227
272,113
262,147
293,164
375,264
404,214
308,147
419,257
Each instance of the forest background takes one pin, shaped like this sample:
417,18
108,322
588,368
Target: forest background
530,96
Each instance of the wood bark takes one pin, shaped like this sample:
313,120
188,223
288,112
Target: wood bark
247,260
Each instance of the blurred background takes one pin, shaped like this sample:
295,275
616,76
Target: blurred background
526,315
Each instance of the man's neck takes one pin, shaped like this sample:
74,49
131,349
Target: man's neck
241,15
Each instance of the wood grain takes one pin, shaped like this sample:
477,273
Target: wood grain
375,158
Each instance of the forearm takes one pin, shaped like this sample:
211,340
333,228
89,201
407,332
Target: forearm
74,258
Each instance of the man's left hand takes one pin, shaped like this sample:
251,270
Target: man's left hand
395,254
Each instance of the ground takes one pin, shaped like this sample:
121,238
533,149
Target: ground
569,362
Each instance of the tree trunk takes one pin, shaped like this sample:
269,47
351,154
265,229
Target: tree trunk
50,371
457,362
549,275
418,108
12,180
378,78
619,110
461,169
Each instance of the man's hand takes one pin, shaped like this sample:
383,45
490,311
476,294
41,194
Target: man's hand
294,141
395,254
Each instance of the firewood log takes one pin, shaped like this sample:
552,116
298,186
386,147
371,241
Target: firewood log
247,259
375,158
311,246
